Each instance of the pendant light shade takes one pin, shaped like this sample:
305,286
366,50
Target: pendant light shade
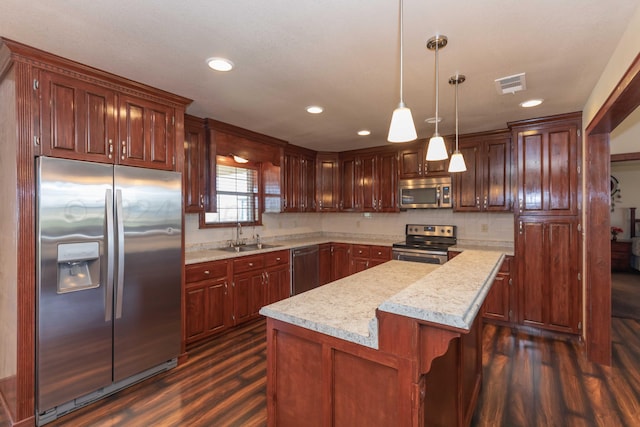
436,150
457,164
402,128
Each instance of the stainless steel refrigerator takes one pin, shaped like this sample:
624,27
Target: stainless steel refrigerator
108,280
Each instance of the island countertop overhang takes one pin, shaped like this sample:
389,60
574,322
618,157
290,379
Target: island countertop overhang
449,295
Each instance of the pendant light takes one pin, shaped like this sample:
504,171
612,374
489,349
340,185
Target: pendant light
401,128
436,150
456,164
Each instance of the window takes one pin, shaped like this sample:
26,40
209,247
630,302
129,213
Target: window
237,194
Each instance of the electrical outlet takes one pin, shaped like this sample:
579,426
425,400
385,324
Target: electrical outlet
484,228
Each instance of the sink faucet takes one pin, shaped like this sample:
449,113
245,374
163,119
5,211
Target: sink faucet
238,233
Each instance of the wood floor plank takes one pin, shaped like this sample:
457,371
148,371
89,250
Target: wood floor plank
528,381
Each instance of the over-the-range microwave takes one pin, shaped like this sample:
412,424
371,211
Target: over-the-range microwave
425,193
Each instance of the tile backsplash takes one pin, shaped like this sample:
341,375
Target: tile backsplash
485,227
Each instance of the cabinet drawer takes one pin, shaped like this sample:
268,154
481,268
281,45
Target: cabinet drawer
360,251
382,253
206,270
248,263
276,258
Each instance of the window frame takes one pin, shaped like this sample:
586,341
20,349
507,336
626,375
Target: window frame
228,161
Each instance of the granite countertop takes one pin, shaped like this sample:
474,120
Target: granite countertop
477,245
215,254
450,294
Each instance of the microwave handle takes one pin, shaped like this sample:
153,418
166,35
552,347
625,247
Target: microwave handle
438,195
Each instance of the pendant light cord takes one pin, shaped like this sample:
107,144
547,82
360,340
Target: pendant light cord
457,80
437,80
401,53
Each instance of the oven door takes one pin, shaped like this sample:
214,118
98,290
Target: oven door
419,255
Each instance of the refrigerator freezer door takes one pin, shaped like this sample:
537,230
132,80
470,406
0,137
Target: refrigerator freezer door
73,348
148,271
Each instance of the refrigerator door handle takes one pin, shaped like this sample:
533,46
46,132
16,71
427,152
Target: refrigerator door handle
120,239
108,300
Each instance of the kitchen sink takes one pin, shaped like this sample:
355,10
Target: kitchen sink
248,248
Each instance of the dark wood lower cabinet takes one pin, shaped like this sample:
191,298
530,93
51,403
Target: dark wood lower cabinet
208,300
341,260
548,264
325,263
223,294
497,305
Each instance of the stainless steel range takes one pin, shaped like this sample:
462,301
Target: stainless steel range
425,243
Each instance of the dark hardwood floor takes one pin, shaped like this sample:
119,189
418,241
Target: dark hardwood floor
528,381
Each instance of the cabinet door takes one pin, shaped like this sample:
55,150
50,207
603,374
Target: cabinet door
548,267
497,175
410,163
249,295
308,188
351,185
146,130
547,161
196,312
194,165
324,263
218,307
387,179
468,184
327,183
497,305
340,266
78,119
278,284
292,182
369,184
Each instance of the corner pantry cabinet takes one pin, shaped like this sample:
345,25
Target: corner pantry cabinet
547,222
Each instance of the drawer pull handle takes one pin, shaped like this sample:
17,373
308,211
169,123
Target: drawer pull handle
278,259
250,264
207,272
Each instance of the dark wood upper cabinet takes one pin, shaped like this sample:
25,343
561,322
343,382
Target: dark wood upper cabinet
547,153
78,119
413,163
195,165
299,180
369,181
83,120
486,184
147,137
327,182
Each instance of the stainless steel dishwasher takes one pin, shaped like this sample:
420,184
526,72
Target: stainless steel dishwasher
305,272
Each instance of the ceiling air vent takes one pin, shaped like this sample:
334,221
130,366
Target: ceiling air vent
511,84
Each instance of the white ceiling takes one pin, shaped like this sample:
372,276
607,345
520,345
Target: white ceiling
341,54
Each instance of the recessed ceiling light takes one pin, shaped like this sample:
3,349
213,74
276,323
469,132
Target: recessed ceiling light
531,103
364,132
220,64
314,109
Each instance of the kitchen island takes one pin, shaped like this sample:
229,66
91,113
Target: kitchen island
396,345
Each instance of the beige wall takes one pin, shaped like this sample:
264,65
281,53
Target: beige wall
626,137
8,236
623,55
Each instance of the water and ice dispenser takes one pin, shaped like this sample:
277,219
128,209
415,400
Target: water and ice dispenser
78,266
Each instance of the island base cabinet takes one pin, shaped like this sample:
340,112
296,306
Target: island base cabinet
432,379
